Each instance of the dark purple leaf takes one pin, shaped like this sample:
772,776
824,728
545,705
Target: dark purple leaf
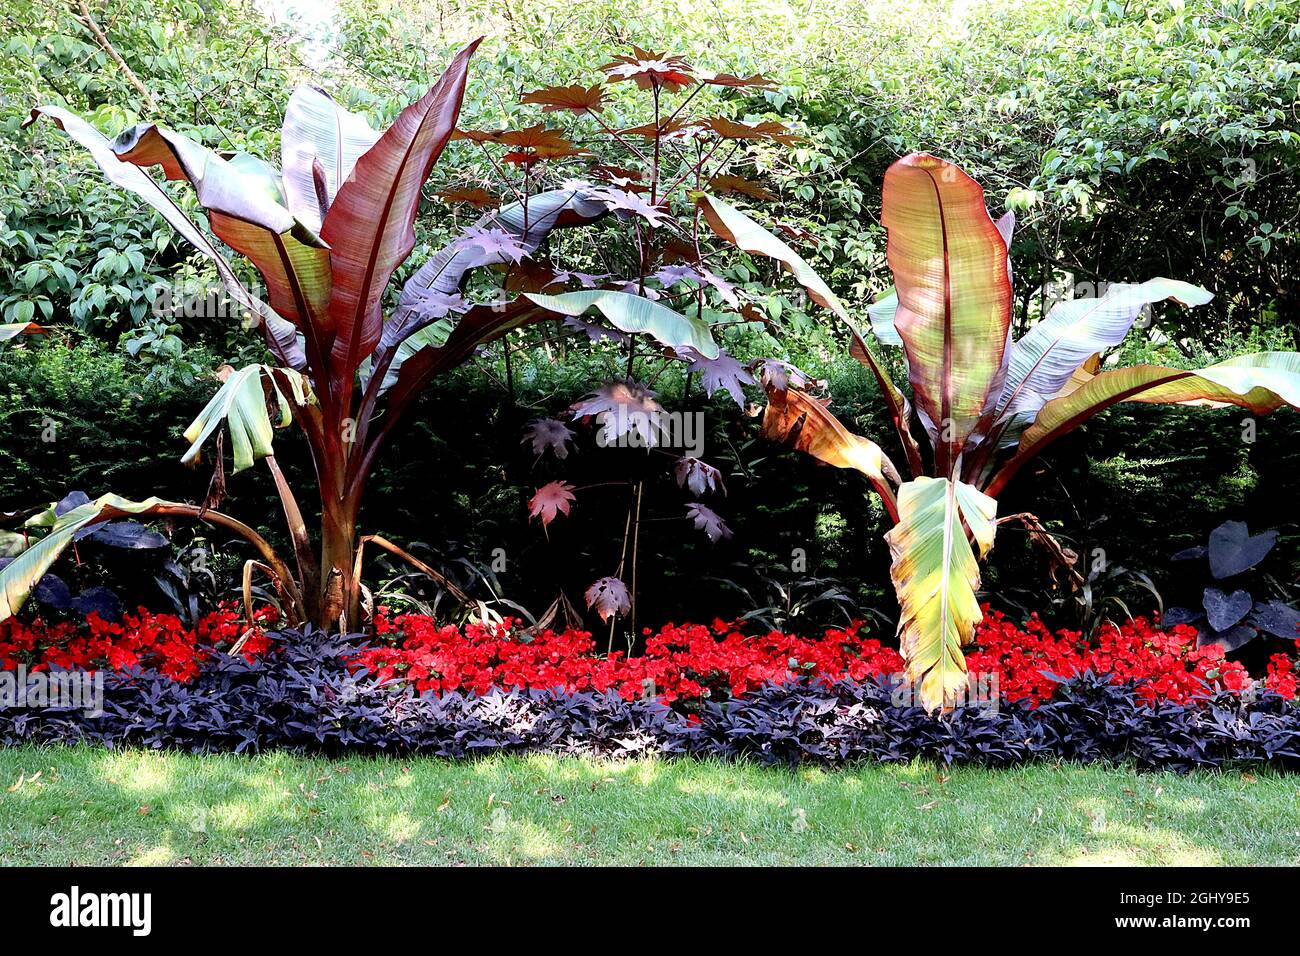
98,600
1280,620
73,499
53,591
549,434
609,597
1233,549
1229,640
1180,615
1224,610
621,408
708,521
698,476
128,534
780,375
722,372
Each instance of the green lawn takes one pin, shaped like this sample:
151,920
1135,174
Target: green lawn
90,806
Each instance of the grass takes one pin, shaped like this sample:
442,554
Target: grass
67,806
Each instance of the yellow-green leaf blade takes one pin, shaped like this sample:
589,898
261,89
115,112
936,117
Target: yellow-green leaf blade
936,574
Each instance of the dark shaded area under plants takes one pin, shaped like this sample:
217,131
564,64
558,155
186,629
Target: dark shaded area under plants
458,480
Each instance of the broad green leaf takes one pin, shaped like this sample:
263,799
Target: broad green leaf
635,314
1262,382
950,266
320,143
881,312
936,574
22,574
241,403
742,232
1048,354
280,333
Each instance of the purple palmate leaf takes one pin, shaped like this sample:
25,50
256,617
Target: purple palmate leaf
698,476
622,408
670,275
632,287
609,597
492,241
708,521
549,434
593,331
620,200
722,372
778,374
585,279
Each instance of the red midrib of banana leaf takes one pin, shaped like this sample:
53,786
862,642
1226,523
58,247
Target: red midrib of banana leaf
954,296
370,227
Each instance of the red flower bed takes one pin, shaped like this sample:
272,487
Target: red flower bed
683,664
686,662
156,641
1168,662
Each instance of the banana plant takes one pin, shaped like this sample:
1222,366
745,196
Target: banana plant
981,404
326,233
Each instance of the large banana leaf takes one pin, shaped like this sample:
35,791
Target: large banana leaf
479,326
881,312
444,274
899,407
243,201
742,232
20,575
320,143
796,418
949,261
1047,355
241,403
634,314
1262,382
11,330
432,336
936,574
370,226
281,334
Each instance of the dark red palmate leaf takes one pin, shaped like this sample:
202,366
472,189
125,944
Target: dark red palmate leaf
727,184
550,500
648,70
574,99
471,195
754,80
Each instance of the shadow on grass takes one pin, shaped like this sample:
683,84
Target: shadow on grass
95,806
